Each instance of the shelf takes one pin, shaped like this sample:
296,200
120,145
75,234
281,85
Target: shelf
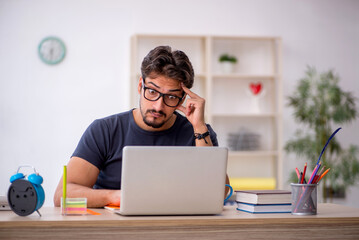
230,105
246,38
253,153
197,75
244,115
244,77
200,75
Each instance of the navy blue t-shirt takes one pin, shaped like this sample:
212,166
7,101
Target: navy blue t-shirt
104,139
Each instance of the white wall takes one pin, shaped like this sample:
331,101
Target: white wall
45,109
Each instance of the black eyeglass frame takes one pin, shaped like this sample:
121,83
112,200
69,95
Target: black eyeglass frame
161,95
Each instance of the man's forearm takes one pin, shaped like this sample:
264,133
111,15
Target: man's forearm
95,197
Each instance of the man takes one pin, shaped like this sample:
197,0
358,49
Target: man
94,170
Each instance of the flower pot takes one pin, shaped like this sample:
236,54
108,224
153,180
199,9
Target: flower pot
227,67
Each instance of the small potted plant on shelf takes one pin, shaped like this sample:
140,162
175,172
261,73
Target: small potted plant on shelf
320,105
227,62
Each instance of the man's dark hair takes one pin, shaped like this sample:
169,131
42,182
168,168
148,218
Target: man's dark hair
172,64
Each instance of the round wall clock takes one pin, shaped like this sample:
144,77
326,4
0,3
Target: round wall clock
52,50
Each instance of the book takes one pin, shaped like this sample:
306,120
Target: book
264,196
253,183
264,208
112,207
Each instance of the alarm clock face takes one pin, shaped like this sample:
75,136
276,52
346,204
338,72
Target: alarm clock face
22,197
52,50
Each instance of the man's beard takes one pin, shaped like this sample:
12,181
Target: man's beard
153,124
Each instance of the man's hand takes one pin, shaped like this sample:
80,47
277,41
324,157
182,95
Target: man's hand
194,109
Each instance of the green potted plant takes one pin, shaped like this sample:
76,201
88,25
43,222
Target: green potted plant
320,106
227,62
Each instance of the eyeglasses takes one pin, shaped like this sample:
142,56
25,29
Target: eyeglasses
153,95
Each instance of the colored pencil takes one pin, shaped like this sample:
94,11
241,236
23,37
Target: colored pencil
304,170
316,176
64,185
314,173
315,179
323,174
321,171
298,174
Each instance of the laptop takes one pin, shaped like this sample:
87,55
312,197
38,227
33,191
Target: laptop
173,180
4,205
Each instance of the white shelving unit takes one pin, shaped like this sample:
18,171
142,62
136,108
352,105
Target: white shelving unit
229,103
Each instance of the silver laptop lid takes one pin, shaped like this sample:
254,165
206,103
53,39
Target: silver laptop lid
173,180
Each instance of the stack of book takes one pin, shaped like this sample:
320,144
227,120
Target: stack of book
264,201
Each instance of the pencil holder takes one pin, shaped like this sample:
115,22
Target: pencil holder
304,199
74,206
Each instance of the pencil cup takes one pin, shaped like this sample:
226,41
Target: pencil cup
74,206
304,199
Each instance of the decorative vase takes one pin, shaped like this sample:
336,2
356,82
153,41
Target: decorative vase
256,92
227,67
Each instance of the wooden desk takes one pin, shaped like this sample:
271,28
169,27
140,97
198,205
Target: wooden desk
332,222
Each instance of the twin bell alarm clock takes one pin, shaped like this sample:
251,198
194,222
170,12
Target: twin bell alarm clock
26,195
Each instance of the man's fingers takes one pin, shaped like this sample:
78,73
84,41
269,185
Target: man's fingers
181,108
186,109
189,92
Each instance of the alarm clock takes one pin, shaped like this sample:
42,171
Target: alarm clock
26,195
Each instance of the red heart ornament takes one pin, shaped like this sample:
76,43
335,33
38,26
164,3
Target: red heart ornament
255,88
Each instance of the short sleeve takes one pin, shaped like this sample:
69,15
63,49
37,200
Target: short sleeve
94,143
213,135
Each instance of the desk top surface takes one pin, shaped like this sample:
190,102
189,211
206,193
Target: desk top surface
52,216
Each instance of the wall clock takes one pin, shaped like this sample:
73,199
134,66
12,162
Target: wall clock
52,50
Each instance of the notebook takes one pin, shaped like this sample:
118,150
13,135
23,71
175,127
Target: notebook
173,180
